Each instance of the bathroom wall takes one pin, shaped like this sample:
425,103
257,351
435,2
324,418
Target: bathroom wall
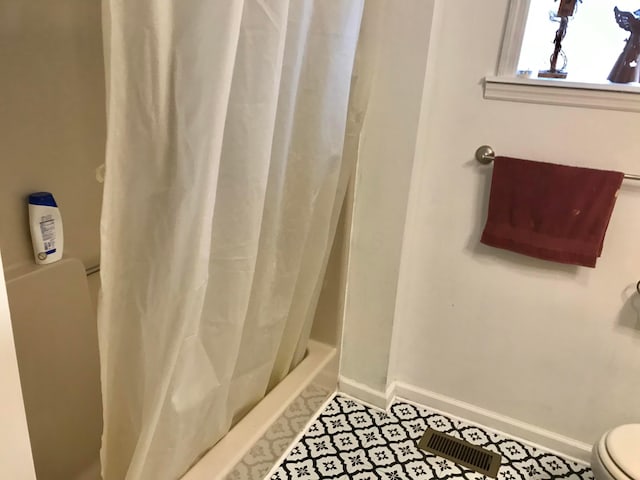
554,346
392,56
327,322
52,134
52,121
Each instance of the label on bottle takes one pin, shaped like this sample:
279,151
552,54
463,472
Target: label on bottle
48,231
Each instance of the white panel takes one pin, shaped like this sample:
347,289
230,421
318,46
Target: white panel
54,327
394,42
15,449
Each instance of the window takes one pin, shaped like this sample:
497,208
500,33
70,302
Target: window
592,45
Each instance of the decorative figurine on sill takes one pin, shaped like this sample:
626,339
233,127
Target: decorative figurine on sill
566,9
626,69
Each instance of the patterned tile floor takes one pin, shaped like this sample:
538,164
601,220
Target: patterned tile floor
350,441
265,453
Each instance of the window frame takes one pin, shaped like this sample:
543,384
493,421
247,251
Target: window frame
513,36
506,85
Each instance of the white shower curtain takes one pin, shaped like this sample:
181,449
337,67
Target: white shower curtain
224,181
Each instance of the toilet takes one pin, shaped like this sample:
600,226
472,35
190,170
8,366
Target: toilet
616,456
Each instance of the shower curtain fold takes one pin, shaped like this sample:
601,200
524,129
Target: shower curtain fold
224,178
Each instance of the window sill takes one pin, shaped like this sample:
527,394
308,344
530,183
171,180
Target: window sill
562,92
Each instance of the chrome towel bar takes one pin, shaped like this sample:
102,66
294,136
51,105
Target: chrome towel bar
485,155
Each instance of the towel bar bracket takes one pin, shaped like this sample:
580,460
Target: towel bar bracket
485,154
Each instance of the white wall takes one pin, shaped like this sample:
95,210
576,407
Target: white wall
15,449
392,57
555,346
327,322
52,132
52,121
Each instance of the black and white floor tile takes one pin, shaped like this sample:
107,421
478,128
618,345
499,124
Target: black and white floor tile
350,441
265,453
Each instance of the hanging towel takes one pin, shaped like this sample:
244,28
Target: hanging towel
548,211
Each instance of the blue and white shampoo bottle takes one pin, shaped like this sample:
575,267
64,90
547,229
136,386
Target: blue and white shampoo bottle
46,228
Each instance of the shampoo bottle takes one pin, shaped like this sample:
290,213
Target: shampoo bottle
46,228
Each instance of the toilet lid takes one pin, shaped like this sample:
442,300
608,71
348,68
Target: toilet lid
623,446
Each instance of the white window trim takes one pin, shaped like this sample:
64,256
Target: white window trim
513,36
507,86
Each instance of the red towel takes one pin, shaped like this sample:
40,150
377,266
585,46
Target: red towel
549,211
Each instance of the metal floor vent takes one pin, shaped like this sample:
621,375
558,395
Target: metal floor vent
463,453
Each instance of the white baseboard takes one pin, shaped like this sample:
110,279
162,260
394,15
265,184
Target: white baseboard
531,434
362,392
511,427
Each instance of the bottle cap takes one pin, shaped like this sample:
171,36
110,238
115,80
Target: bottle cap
42,198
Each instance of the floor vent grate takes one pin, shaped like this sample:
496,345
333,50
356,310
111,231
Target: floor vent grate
463,453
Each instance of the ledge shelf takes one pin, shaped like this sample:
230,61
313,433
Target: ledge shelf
561,92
